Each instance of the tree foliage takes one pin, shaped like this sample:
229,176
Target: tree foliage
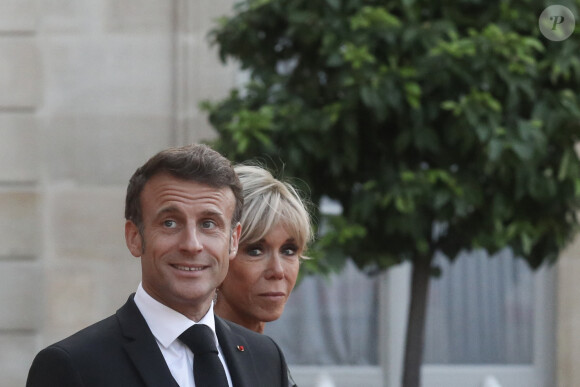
438,126
412,114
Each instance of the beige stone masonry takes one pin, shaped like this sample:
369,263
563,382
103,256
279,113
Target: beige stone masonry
102,149
90,271
199,74
20,225
138,16
18,15
20,284
20,75
17,352
87,224
19,152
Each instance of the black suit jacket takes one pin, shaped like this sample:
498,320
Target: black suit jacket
121,351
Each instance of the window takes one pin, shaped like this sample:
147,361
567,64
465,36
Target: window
488,317
330,321
481,311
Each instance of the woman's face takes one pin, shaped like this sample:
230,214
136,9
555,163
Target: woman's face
260,279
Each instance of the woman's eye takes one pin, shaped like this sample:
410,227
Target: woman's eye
170,223
254,251
289,250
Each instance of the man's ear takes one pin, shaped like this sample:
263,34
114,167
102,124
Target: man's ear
133,239
235,240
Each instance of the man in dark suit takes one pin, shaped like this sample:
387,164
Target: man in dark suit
182,215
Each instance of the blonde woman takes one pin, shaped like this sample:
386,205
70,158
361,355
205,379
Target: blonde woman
275,233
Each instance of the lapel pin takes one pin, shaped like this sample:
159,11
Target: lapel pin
241,348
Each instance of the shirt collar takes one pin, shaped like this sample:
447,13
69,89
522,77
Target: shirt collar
165,323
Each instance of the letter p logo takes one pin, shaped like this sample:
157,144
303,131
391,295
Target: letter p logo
557,22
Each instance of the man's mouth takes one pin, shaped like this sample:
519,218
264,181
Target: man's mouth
187,268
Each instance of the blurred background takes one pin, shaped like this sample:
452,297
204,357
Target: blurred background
89,89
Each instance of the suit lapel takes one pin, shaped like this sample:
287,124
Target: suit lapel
142,348
237,354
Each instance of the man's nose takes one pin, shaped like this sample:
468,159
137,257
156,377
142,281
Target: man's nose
190,240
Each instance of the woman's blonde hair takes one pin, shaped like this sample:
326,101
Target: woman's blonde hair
269,201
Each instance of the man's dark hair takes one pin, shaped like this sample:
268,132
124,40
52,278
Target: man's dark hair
194,162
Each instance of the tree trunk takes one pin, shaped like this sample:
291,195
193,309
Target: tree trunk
415,339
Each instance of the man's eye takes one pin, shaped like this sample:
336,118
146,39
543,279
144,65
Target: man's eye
208,224
170,223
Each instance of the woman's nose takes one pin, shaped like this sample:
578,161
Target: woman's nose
275,267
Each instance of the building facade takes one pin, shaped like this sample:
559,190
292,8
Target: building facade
89,89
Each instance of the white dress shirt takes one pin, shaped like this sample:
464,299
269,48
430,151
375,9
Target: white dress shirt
166,325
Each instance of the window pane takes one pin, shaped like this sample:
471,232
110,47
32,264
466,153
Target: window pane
481,311
330,321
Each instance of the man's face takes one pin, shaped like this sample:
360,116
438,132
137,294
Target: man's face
187,242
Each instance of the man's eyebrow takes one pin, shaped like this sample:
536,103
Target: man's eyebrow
212,213
167,210
175,210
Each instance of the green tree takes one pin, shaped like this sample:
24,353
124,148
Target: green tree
438,126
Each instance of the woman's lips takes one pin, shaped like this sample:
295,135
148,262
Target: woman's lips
273,294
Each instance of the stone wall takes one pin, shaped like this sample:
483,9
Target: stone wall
21,276
89,89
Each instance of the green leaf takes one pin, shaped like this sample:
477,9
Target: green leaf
527,242
357,56
334,4
523,150
422,246
413,91
564,164
407,176
370,97
440,199
404,204
255,4
495,148
533,43
373,17
448,105
494,104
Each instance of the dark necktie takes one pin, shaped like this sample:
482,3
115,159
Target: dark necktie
208,370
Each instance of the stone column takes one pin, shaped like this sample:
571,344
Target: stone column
199,75
20,228
568,317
